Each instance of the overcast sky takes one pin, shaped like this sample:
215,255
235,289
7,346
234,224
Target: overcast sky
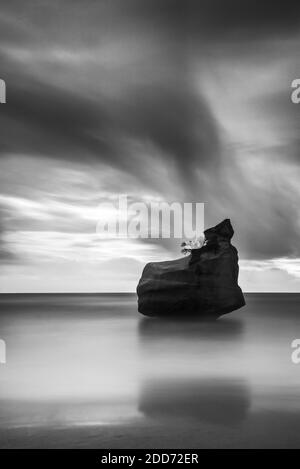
185,101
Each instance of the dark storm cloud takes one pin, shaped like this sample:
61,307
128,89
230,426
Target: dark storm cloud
137,62
74,24
45,120
243,19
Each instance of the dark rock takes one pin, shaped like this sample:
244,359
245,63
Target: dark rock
202,284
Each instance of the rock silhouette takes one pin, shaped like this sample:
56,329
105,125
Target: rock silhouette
203,284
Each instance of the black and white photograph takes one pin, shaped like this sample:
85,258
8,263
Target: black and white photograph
149,227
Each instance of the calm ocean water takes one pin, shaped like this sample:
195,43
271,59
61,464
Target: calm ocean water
89,371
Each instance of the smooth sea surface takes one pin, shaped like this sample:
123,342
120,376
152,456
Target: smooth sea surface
88,371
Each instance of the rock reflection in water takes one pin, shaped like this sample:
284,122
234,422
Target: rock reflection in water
222,329
210,400
180,378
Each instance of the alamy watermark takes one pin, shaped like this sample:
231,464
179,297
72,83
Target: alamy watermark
151,219
295,356
295,95
2,92
2,352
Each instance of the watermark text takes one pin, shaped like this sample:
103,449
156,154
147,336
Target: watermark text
2,91
2,352
151,219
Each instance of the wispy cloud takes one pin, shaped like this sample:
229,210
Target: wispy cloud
183,101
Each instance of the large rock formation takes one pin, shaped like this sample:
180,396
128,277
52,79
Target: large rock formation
202,284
